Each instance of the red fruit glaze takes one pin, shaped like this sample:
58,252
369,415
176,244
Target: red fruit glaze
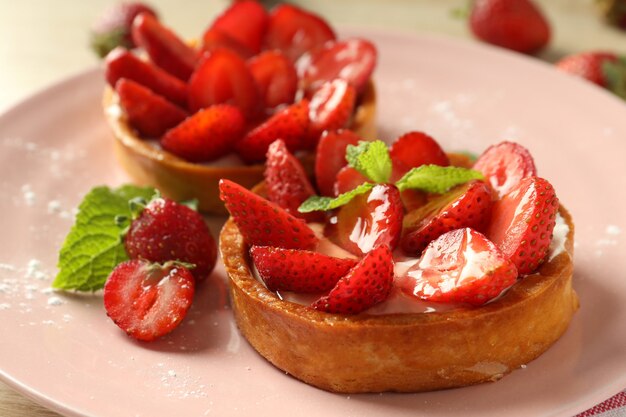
207,135
467,205
214,39
460,266
504,165
298,270
168,231
147,300
245,21
262,222
275,77
365,285
348,179
330,157
414,149
331,108
588,65
148,113
523,221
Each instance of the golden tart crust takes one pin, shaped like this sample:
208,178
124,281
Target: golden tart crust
403,352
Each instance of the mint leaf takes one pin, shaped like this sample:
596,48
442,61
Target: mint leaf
370,159
94,245
436,179
317,203
615,74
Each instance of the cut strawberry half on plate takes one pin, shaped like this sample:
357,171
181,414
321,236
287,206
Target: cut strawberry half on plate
330,157
523,221
147,300
331,108
414,149
298,270
460,266
244,21
275,77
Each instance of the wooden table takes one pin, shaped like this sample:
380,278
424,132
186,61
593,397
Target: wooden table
43,42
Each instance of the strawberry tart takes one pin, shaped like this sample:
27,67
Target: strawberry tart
186,115
405,273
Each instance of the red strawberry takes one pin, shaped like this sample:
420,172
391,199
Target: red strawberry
290,125
331,108
330,157
207,135
523,221
368,220
460,266
164,48
504,165
245,21
467,205
262,222
286,181
414,149
122,64
348,179
514,24
223,77
167,231
113,27
352,60
365,285
605,69
147,300
295,31
150,114
298,270
275,77
214,39
413,199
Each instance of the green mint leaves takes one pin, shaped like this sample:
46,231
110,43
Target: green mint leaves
94,245
370,159
318,203
436,179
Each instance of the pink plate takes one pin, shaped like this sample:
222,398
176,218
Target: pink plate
63,351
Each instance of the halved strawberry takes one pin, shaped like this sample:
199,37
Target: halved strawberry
148,300
467,205
122,64
522,223
295,31
245,21
164,48
298,270
290,125
414,149
148,113
207,135
214,39
222,76
330,157
368,220
331,108
460,266
262,222
365,285
352,60
504,165
275,77
348,179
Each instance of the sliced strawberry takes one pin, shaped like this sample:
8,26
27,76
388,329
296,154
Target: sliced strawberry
222,76
330,157
286,181
460,266
504,165
467,205
295,31
298,270
352,60
290,125
331,108
348,179
414,149
523,221
413,199
365,285
148,300
164,48
262,222
368,220
245,21
207,135
275,77
148,113
214,39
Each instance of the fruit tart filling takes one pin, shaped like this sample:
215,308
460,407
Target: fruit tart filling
405,228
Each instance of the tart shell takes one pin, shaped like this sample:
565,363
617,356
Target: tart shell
403,352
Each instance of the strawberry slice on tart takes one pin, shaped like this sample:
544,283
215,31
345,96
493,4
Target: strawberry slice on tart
245,22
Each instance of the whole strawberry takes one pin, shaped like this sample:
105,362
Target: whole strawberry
605,69
168,231
513,24
113,28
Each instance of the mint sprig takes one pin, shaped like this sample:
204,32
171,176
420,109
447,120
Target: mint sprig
436,179
370,159
94,245
319,203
